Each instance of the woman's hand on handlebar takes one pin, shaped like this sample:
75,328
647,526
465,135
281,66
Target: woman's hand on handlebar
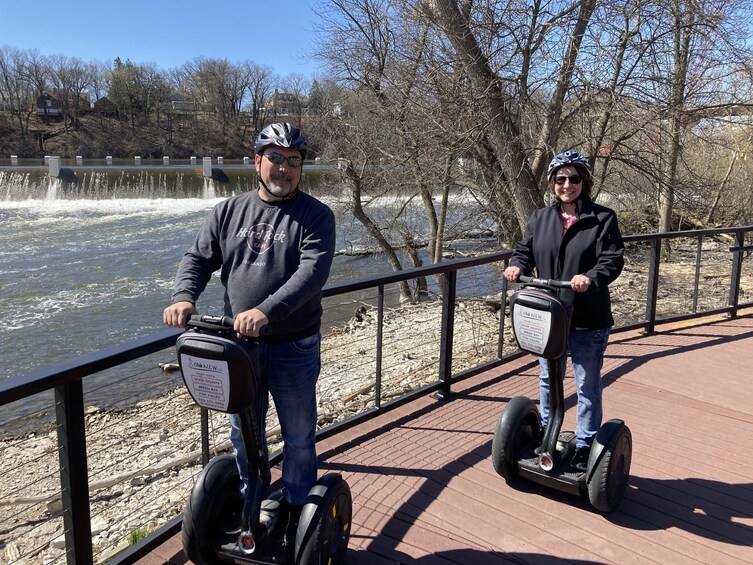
177,315
580,283
512,274
250,323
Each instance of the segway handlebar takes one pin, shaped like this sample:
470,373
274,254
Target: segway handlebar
544,283
208,322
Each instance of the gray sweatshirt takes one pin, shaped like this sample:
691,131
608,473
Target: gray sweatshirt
274,256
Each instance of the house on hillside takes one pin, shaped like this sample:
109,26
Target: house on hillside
180,103
48,106
106,107
82,104
286,103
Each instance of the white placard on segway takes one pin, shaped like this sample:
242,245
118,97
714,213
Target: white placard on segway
208,381
532,328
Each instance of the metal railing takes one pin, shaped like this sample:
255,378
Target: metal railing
459,282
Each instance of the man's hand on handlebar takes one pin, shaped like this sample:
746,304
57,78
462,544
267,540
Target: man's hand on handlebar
177,315
250,323
512,274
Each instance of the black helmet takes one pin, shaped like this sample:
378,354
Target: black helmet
568,158
281,134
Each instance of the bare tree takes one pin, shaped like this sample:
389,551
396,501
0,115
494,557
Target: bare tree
685,70
71,79
125,91
220,87
100,79
296,87
452,80
259,89
394,132
16,90
626,84
699,55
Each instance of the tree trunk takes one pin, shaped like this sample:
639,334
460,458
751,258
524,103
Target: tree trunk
354,181
411,250
683,30
503,134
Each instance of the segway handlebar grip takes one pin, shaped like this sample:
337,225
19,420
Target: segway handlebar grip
265,330
207,321
210,322
544,282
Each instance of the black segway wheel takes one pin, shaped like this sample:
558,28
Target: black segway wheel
214,510
518,425
609,466
324,526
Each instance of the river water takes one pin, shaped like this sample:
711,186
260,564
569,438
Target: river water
81,273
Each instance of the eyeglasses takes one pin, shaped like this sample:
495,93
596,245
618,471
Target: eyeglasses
279,159
574,179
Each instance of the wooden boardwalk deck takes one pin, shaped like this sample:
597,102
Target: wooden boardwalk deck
424,489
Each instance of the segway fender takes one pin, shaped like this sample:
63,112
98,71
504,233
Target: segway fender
324,525
609,466
605,433
208,514
315,495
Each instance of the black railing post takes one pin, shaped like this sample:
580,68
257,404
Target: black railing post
653,286
697,278
737,269
66,378
204,437
449,288
379,339
74,475
502,315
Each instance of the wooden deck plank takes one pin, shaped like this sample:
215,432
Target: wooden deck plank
425,491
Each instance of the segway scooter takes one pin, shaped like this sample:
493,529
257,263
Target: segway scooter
219,525
541,324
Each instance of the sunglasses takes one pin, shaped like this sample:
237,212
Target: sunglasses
574,179
279,159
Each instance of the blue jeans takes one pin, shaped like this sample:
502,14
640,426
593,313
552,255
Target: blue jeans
586,349
289,373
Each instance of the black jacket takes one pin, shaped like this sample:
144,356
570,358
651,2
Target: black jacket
592,246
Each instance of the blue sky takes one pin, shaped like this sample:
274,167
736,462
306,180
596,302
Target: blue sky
275,33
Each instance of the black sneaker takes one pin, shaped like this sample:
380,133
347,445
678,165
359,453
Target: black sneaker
272,509
539,440
579,462
291,529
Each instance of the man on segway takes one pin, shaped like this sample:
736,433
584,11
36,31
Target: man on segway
274,249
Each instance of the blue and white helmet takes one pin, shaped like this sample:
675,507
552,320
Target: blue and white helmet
568,158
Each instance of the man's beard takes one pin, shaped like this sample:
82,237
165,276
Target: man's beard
280,187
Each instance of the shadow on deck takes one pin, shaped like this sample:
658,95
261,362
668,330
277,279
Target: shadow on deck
425,491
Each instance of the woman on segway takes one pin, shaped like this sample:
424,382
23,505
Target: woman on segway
578,240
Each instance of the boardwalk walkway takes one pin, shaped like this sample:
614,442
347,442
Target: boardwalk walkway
424,489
